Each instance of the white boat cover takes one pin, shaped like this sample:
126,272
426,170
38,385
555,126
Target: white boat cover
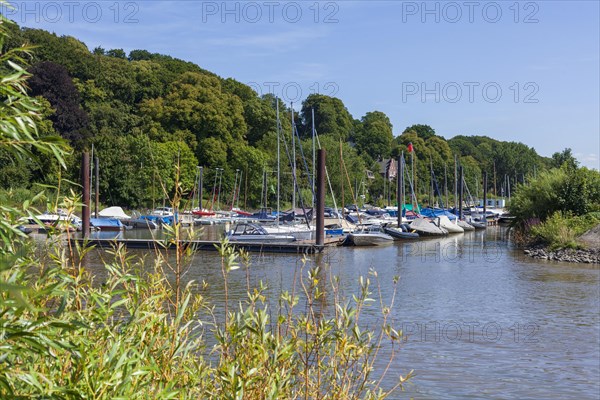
424,226
113,212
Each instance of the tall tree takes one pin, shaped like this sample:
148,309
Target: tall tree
52,81
197,103
374,136
564,157
331,117
423,131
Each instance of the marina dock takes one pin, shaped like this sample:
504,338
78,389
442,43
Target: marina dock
298,247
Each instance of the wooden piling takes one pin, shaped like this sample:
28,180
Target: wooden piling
400,190
320,239
485,183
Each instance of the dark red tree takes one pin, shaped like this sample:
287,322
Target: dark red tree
53,82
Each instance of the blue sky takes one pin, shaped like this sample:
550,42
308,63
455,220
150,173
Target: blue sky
517,71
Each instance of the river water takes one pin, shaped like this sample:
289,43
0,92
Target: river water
481,320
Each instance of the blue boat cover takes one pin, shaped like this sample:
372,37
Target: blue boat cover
106,223
437,212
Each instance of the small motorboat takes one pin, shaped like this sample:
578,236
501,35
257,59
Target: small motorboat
401,233
59,219
370,235
298,231
254,233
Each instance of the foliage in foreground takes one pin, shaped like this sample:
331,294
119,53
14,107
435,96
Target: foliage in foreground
64,337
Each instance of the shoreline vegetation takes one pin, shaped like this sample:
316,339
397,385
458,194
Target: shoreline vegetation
557,215
140,333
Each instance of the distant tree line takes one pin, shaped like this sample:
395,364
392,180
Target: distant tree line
143,113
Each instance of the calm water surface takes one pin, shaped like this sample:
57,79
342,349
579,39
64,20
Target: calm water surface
481,320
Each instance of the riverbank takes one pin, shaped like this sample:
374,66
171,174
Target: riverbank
541,252
588,250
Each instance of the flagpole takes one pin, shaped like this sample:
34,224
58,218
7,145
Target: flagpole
412,160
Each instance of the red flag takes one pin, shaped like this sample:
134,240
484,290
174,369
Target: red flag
410,148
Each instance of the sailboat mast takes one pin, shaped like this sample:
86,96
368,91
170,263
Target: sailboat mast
200,194
194,192
342,174
293,160
446,183
97,185
495,191
219,192
278,158
91,182
263,191
237,201
431,180
214,191
237,171
455,181
312,110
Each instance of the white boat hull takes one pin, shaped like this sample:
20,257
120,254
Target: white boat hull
298,232
370,239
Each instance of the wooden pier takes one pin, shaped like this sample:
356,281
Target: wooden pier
298,247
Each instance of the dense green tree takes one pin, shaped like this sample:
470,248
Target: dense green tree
423,131
331,117
462,145
374,137
64,50
116,53
197,103
564,157
259,113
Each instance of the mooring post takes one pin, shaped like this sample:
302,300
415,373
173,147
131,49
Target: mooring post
85,180
320,240
485,183
96,185
200,190
460,192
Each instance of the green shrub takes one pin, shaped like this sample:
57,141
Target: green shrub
556,232
561,230
572,191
